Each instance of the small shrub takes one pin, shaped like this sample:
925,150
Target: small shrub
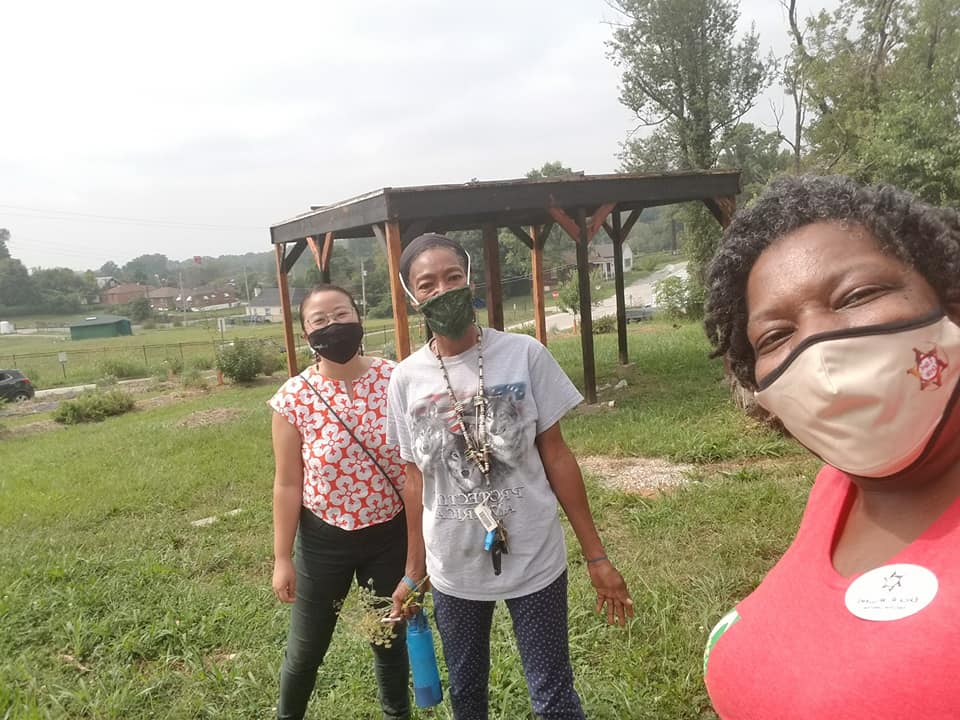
120,368
696,297
270,362
149,325
202,362
525,329
177,322
93,406
239,361
670,295
194,380
172,365
605,324
107,381
680,297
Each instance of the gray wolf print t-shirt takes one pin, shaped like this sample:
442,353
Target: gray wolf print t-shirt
527,392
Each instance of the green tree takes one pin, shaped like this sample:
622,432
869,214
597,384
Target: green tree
60,290
16,285
4,239
558,247
109,269
140,310
550,170
569,292
685,74
757,153
679,297
658,230
884,93
569,295
145,268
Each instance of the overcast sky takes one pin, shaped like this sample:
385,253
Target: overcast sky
206,122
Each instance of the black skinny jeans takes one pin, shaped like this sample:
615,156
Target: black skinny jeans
327,559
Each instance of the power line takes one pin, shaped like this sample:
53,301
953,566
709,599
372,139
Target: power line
52,214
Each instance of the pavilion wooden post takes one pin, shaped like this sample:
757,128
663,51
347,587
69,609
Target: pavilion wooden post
321,255
722,208
581,235
586,316
398,298
539,310
491,272
284,288
618,238
325,257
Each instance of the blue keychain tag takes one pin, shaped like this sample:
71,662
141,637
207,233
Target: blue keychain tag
488,540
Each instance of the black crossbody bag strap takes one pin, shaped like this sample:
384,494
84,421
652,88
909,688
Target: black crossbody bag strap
352,435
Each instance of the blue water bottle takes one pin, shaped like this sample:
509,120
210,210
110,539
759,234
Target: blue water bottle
423,661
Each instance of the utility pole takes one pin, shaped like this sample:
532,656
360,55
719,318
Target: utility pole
246,284
183,300
363,289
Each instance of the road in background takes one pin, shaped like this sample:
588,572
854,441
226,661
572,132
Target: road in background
638,294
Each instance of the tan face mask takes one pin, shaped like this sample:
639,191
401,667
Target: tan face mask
868,400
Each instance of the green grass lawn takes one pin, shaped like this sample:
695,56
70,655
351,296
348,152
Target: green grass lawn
112,605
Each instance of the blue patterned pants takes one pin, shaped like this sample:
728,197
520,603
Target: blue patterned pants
540,627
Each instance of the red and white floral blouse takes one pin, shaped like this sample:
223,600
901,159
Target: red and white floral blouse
341,484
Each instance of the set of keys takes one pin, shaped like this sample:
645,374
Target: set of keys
495,541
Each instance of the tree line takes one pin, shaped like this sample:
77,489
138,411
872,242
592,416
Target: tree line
873,88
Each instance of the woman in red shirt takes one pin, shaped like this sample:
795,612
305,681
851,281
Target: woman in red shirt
337,491
839,306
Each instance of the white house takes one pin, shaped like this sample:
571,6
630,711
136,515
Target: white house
266,302
601,256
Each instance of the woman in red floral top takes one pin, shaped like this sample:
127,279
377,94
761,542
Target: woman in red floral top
337,492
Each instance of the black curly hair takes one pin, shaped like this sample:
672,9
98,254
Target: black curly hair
924,237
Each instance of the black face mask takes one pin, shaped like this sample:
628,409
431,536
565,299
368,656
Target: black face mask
337,342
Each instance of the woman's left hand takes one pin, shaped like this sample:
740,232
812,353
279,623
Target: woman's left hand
612,593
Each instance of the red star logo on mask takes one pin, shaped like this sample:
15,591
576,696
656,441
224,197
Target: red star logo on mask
929,368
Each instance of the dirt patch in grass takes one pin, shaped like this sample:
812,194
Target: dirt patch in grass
645,476
28,428
31,407
210,417
168,397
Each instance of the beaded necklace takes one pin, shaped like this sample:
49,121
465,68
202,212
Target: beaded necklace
478,449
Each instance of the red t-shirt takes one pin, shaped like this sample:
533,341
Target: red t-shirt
793,651
341,484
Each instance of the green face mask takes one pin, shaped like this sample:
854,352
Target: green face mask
451,313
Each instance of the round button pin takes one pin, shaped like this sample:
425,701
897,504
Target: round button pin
891,592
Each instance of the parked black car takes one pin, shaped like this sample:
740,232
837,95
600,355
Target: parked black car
639,314
15,386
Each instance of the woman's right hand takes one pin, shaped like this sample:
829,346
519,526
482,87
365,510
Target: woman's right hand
284,580
400,596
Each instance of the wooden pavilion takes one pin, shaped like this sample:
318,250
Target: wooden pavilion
580,204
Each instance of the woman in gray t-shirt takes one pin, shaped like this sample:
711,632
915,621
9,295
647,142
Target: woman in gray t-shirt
476,416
